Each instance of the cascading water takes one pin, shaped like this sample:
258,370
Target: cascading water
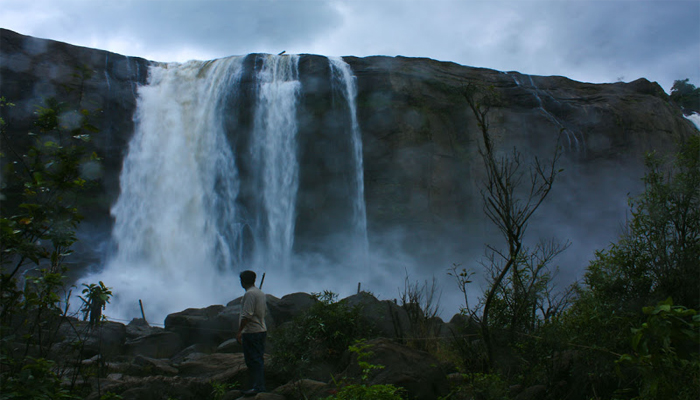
204,196
342,75
179,167
275,152
572,145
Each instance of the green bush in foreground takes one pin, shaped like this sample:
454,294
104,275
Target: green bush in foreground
363,391
317,336
665,352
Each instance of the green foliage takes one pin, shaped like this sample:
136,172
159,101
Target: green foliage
35,380
422,305
488,387
362,390
43,178
686,95
371,392
319,335
659,255
220,389
96,297
666,351
655,259
41,190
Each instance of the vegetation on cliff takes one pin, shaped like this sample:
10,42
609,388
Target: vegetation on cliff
686,95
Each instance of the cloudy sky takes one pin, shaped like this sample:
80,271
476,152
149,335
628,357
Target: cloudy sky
586,40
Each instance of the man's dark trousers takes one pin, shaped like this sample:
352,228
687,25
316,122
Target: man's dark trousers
253,351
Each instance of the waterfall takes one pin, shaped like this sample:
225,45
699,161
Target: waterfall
343,76
694,118
178,169
275,152
204,195
554,120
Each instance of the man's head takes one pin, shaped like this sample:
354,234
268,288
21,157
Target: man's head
247,279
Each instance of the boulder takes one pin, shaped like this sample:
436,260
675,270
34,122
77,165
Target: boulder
385,317
211,325
229,346
289,306
106,339
417,371
140,327
218,366
147,366
303,389
532,393
164,344
156,387
191,352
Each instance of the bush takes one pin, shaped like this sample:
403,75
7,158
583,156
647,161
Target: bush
361,390
665,352
318,336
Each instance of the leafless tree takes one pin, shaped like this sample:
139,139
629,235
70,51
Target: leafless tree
512,191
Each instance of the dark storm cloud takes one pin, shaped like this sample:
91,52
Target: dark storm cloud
595,41
156,29
586,40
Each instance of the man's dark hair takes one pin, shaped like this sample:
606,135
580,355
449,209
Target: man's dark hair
248,277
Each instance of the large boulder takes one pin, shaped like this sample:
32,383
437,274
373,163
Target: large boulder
217,366
163,344
139,327
416,371
211,325
385,317
289,306
156,387
106,339
304,389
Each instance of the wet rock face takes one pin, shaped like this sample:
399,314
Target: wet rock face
33,70
420,140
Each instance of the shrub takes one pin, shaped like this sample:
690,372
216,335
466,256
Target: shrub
318,336
665,353
361,390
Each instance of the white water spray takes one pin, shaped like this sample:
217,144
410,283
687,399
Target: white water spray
275,152
178,170
695,119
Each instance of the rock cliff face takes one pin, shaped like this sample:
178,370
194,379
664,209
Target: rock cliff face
420,140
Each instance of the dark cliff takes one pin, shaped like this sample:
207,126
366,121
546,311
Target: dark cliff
420,140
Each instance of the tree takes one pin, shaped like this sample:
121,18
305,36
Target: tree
686,95
656,261
41,188
659,255
518,277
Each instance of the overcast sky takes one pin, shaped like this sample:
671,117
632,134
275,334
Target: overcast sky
586,40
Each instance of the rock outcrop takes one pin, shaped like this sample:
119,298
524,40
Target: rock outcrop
420,140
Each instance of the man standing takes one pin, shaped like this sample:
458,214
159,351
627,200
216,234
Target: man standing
252,332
